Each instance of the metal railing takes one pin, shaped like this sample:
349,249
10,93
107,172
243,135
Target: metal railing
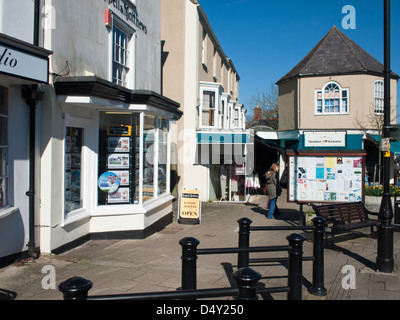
77,288
318,228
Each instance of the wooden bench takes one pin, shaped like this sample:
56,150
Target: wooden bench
344,217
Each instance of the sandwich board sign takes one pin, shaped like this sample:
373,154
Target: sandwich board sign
189,206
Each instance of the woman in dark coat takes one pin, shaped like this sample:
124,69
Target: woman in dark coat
274,189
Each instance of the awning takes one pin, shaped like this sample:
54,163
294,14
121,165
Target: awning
225,137
97,93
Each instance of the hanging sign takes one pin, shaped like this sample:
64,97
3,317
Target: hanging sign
189,207
108,182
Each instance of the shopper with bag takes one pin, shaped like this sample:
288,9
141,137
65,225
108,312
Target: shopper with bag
273,190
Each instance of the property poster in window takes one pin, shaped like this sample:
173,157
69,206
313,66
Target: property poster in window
326,178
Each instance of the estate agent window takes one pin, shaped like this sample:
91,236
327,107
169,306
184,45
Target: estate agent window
127,174
3,148
332,99
73,168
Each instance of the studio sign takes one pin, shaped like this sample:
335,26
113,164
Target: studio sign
130,14
23,64
7,60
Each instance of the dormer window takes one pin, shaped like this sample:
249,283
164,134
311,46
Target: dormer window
332,99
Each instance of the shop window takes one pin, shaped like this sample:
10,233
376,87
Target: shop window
118,158
162,156
332,99
149,126
73,169
3,148
378,94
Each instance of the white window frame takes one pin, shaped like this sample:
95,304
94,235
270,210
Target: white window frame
129,62
215,88
88,161
379,97
320,96
6,176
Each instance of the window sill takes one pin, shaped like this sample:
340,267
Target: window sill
74,216
5,212
332,114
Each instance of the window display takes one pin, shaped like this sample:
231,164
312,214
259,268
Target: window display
148,156
3,148
118,158
73,156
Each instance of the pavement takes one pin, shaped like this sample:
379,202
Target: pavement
154,264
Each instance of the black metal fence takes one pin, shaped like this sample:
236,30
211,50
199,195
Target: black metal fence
77,288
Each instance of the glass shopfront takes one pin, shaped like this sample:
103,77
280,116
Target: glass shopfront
120,158
227,182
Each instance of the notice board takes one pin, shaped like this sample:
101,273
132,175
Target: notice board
326,177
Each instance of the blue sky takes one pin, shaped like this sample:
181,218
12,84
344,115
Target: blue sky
265,38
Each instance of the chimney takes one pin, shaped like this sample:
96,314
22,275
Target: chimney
257,113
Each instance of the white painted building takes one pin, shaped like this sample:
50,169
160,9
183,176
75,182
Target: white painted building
24,68
102,116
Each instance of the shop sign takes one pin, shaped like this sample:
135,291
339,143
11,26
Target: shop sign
189,207
325,139
127,9
23,64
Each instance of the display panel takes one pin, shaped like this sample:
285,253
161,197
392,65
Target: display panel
326,178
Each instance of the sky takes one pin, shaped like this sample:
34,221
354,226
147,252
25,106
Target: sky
265,39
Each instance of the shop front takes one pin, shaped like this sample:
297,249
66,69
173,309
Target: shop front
116,162
23,73
230,157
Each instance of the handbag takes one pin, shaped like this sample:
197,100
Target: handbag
266,189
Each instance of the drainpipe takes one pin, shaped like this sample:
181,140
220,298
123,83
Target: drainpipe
32,96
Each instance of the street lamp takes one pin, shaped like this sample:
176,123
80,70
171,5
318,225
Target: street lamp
384,260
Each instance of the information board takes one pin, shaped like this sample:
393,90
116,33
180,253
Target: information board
326,178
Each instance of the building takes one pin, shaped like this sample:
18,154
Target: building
103,135
24,65
212,142
333,100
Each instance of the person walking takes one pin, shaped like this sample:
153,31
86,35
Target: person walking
273,190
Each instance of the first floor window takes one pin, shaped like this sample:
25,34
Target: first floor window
378,94
3,148
332,99
208,109
73,168
120,56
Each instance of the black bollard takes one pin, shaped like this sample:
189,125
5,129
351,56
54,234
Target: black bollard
75,288
189,257
246,279
317,287
295,266
244,241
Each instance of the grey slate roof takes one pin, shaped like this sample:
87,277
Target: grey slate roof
336,54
